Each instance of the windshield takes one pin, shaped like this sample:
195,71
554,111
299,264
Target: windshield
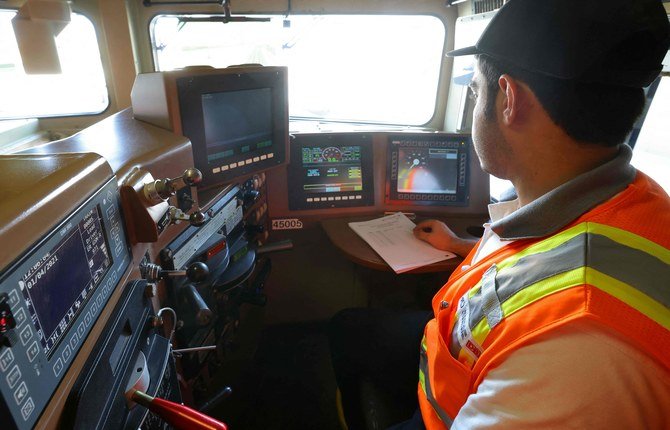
354,68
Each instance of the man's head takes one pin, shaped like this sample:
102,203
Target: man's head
587,112
586,61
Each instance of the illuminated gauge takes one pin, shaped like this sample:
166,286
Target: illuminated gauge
416,159
332,154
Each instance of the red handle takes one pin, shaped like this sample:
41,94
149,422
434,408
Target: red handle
179,416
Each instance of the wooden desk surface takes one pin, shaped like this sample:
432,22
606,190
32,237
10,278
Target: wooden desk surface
358,251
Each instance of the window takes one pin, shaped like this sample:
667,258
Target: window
357,68
651,153
80,89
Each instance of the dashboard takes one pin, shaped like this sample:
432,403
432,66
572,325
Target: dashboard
115,227
343,174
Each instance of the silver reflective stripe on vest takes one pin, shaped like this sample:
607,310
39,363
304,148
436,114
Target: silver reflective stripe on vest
490,302
642,271
423,368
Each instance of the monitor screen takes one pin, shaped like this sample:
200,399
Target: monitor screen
237,121
427,169
330,170
58,286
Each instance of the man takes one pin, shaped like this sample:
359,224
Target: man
560,316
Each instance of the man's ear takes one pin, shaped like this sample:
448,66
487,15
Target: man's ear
511,98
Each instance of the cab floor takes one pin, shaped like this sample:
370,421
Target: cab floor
289,383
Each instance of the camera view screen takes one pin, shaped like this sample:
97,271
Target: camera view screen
58,286
237,123
427,170
332,169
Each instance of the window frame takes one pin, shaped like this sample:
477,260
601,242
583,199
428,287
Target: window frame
103,65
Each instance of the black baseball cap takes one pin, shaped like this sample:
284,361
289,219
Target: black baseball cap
614,42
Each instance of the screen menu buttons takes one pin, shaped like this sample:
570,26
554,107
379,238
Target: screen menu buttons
6,359
27,409
19,317
14,376
26,335
20,393
13,298
32,351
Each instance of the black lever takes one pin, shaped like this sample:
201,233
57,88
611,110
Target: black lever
203,315
196,272
275,246
210,404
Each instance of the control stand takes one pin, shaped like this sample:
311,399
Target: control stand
131,365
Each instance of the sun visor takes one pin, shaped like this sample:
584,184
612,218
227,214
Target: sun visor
36,26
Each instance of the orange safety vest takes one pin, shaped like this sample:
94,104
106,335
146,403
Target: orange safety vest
611,265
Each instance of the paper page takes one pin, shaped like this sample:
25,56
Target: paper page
392,238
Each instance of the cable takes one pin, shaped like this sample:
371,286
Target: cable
174,320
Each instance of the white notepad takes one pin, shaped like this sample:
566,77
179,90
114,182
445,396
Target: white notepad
392,238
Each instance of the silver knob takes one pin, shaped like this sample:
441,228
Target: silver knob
162,189
191,176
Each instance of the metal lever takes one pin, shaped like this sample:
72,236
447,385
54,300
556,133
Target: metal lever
223,394
275,246
194,349
196,218
162,189
178,416
203,315
196,272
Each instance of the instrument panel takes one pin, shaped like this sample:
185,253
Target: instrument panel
349,174
332,172
54,295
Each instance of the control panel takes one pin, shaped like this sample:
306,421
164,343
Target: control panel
331,171
131,355
51,297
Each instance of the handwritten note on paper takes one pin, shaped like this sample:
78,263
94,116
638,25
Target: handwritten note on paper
392,238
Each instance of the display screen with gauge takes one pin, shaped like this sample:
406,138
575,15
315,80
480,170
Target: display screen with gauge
428,170
330,171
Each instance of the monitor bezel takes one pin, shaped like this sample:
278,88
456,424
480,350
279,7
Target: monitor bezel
190,90
462,195
297,198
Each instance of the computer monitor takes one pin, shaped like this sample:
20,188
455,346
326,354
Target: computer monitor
236,119
428,170
330,171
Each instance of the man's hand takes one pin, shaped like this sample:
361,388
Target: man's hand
441,237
